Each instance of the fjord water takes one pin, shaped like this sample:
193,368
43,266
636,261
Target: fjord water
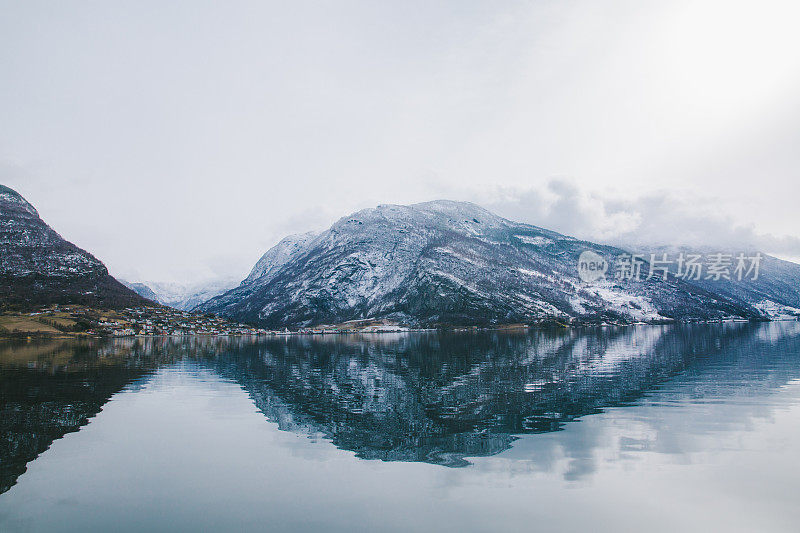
692,427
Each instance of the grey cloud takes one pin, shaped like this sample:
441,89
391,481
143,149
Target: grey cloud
660,219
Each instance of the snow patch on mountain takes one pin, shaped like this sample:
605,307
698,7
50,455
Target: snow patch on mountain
777,311
536,241
637,307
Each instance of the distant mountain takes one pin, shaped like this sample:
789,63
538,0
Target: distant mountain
450,263
142,290
37,266
775,291
183,296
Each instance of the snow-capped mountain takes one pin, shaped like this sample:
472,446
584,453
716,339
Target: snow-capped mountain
183,296
37,266
279,255
448,262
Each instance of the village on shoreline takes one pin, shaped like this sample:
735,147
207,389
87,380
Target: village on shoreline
160,321
81,321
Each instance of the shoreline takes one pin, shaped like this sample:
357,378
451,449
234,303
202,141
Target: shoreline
460,329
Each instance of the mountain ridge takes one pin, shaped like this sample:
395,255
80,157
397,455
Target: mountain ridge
182,296
455,263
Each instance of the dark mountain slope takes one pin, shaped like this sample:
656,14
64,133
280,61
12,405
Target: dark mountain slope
39,267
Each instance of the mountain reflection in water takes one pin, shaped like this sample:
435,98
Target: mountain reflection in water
427,397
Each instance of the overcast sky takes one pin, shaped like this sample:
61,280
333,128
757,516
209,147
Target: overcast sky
180,140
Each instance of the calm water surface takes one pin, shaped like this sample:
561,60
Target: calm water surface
692,428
